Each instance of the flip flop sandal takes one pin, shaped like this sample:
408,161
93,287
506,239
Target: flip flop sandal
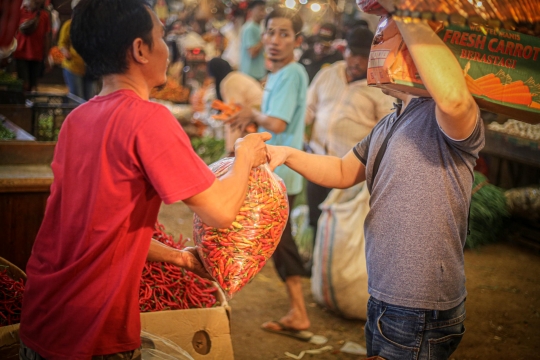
302,335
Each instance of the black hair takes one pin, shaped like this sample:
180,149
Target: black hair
218,69
102,31
286,13
254,3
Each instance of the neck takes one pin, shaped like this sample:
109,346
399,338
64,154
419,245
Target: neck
115,82
278,65
406,98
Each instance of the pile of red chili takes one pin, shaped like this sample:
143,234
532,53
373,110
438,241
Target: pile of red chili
167,287
11,294
233,256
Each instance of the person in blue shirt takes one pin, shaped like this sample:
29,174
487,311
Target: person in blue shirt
282,114
251,46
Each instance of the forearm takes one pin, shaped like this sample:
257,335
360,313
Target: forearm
254,51
327,171
456,110
219,205
270,123
163,253
439,69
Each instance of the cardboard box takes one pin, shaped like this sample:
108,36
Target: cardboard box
9,342
501,67
203,333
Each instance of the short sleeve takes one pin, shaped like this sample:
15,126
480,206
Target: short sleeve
361,150
281,104
474,143
251,37
168,160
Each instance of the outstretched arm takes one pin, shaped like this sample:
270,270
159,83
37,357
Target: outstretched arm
327,171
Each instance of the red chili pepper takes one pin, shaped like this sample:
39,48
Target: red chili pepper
167,287
10,299
243,248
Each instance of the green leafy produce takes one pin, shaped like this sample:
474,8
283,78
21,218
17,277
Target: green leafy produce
6,134
208,148
9,79
488,213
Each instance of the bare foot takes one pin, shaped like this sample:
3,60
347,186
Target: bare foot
292,320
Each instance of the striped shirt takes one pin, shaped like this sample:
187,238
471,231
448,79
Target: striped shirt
342,114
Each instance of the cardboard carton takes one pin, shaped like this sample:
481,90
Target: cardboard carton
203,333
9,342
501,67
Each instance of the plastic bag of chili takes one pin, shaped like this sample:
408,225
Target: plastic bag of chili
233,256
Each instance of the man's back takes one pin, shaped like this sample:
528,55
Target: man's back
109,182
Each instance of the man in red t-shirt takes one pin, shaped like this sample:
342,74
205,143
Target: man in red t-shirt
117,158
32,43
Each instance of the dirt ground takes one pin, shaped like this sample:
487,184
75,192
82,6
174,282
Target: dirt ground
503,306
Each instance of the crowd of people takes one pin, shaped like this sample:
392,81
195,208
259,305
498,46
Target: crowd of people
109,181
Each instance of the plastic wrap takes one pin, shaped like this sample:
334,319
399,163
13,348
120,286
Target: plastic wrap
233,256
157,348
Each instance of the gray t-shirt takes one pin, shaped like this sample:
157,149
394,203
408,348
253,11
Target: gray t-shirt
417,225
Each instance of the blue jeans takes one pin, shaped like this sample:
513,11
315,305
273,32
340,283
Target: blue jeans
399,333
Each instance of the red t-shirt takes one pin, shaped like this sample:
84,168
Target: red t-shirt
32,47
116,159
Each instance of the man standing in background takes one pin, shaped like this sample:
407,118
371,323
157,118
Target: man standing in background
251,48
282,114
322,54
342,109
33,42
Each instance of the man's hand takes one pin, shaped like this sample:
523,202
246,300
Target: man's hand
277,155
189,259
253,147
241,119
66,53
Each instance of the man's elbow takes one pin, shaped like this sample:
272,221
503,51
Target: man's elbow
457,103
221,221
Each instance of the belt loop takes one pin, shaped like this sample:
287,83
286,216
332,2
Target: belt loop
435,314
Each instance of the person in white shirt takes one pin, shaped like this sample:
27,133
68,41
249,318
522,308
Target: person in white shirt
232,32
234,87
342,109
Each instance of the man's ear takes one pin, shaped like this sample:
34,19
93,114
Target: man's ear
299,40
139,51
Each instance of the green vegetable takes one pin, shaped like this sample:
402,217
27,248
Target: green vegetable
6,134
209,148
488,213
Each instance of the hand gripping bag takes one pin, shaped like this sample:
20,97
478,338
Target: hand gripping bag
233,256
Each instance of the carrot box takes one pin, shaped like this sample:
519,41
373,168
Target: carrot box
501,67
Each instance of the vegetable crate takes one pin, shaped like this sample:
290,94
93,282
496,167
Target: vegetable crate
512,147
49,112
9,335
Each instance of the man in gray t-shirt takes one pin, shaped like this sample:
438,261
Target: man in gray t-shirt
420,197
